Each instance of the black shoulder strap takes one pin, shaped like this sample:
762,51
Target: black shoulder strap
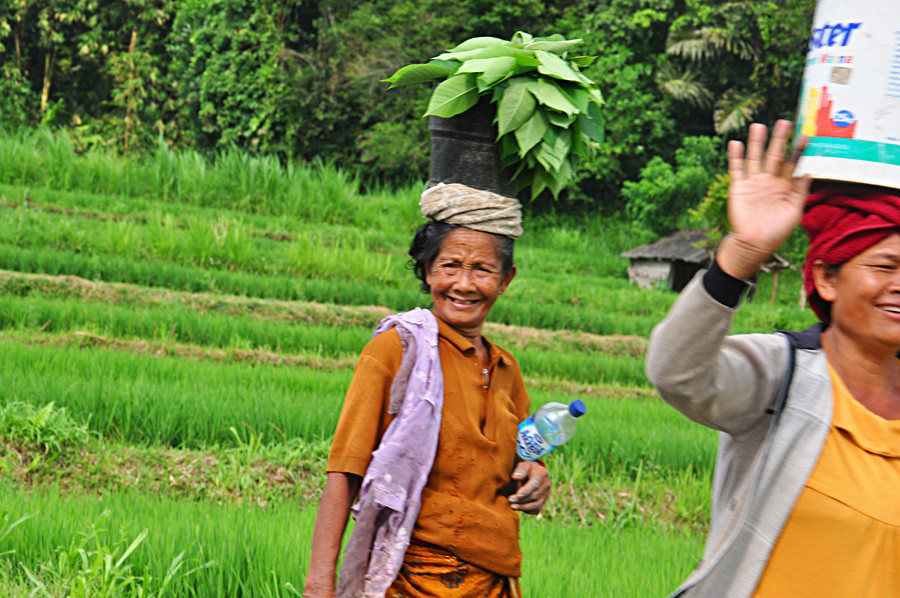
786,383
811,338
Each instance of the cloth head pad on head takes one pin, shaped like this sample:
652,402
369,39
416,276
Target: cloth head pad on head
473,208
842,222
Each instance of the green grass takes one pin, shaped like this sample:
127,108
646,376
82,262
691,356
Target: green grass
177,323
524,305
250,552
172,401
232,550
618,434
562,561
159,401
241,263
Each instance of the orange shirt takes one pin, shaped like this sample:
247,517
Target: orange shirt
843,537
464,504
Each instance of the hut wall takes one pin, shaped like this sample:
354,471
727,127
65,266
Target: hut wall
648,273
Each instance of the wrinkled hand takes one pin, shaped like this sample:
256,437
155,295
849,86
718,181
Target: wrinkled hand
765,201
534,487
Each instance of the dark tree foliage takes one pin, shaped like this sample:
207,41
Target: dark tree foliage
226,63
302,78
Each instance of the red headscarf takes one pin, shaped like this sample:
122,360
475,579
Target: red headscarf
842,222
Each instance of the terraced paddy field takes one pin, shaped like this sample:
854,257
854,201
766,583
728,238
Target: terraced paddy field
176,337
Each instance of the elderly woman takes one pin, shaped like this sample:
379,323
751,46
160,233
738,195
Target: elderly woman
807,479
427,431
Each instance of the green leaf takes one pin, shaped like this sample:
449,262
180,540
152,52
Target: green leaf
560,119
539,182
418,73
489,52
531,132
589,128
526,61
592,123
580,143
508,148
500,64
523,38
454,96
476,43
516,106
519,176
561,180
579,96
557,47
493,70
554,66
583,61
140,538
549,94
559,142
454,64
547,156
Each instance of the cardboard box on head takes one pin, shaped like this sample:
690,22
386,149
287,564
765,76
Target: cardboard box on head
850,99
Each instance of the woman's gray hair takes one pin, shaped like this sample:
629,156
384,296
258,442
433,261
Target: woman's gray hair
426,246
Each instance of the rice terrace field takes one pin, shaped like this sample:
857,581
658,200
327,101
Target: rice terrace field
176,337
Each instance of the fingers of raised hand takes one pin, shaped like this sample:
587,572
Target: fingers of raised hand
736,160
756,144
790,164
771,160
781,134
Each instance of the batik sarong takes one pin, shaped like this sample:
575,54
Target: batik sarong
432,572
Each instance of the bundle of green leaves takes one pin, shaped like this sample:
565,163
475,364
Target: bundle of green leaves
548,112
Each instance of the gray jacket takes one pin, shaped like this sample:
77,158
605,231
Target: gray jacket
766,454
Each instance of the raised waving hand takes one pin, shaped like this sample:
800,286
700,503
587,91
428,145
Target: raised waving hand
765,201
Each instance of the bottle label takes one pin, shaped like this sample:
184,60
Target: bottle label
530,445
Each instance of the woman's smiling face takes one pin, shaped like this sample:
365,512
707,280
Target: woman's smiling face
865,294
466,278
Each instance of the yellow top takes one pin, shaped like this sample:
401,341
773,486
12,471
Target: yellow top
843,537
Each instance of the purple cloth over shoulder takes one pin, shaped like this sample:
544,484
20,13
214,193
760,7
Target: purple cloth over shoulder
391,493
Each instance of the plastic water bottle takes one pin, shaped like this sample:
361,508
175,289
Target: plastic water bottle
549,427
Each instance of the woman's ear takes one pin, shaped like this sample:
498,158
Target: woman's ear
428,273
824,279
509,276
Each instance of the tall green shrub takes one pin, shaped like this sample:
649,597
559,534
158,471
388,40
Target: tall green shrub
661,199
628,38
227,64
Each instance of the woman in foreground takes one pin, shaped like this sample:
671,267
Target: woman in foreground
427,434
807,478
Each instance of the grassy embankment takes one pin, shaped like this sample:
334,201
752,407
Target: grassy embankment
176,338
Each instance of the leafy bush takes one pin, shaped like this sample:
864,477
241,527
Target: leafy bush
712,211
14,99
49,427
661,199
627,38
231,85
395,152
712,214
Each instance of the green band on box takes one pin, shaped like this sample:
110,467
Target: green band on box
854,149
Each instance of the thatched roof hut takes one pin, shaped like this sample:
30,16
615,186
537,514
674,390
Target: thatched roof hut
673,259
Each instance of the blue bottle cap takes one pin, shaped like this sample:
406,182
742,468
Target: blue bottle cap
577,408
